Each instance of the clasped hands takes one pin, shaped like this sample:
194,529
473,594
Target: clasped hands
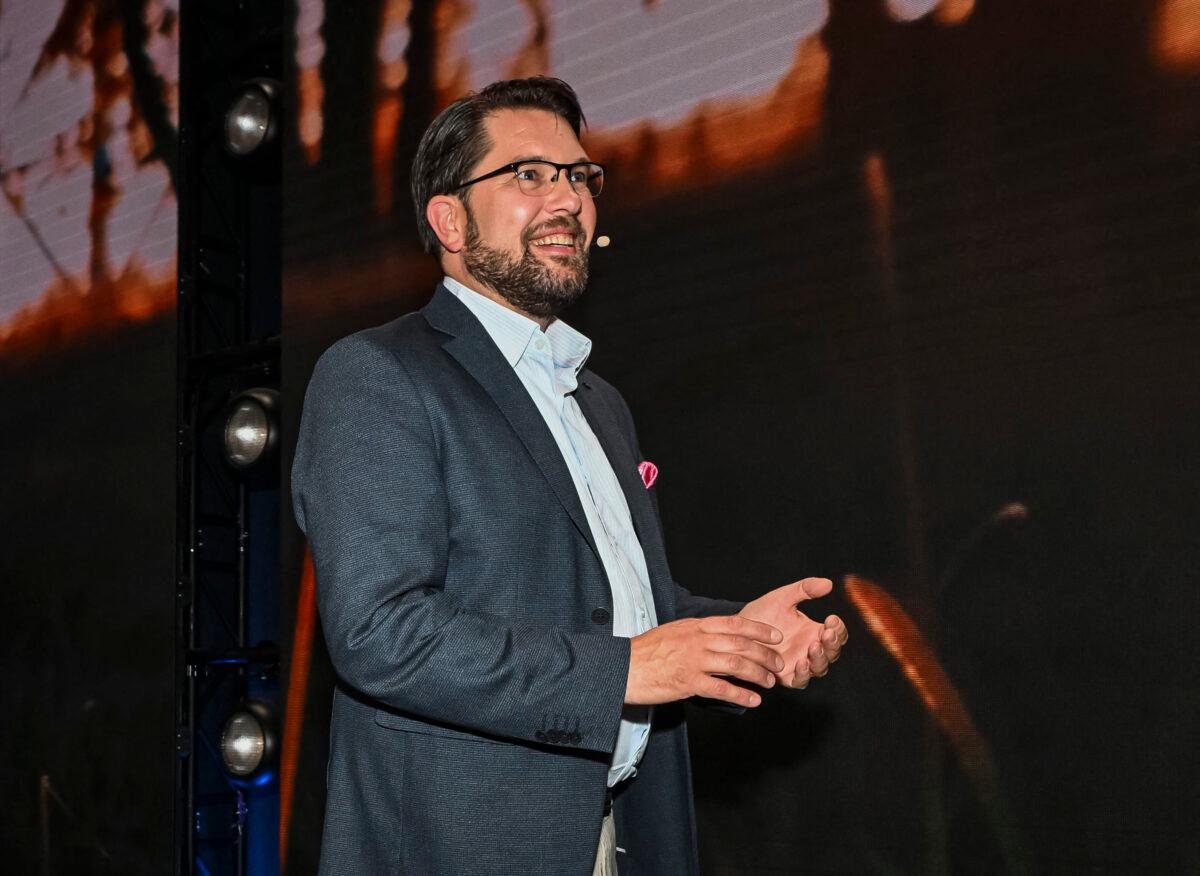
770,641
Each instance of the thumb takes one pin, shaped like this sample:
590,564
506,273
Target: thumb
811,588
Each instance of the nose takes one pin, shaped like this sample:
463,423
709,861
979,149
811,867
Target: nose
563,198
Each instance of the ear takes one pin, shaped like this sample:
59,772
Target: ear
449,220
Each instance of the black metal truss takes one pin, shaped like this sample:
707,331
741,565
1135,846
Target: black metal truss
228,341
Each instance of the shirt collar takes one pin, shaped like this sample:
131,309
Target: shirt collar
513,332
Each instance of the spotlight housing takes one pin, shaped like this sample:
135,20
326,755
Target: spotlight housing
250,438
250,742
252,118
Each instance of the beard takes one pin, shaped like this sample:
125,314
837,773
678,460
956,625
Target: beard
528,285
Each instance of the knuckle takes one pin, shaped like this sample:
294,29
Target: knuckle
732,693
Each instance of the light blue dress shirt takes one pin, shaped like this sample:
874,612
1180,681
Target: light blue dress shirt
548,363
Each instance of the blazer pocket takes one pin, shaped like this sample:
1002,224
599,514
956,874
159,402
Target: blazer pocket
395,721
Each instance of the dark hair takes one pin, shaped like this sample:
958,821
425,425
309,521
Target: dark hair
456,140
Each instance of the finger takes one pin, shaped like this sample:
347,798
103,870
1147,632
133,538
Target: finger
801,677
799,591
814,588
832,644
818,661
737,666
833,622
748,648
740,626
720,689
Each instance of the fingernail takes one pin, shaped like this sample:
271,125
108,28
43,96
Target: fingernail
778,664
755,699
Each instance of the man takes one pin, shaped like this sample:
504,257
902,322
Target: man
510,646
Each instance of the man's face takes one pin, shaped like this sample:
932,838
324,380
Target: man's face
514,242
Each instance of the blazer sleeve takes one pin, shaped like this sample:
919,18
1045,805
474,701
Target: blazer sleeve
368,492
689,604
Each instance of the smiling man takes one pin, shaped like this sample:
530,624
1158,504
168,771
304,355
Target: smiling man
510,646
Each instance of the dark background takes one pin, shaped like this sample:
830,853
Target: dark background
87,522
826,386
87,436
823,397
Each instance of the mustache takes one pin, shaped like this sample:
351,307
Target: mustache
569,226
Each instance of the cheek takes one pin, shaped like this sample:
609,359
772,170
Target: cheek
502,222
587,218
518,220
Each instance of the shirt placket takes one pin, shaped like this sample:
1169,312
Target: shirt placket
629,594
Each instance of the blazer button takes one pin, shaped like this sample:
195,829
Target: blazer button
601,616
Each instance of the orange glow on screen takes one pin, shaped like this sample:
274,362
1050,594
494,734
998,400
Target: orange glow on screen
721,138
533,58
954,11
392,72
88,207
717,137
901,638
297,690
310,50
879,190
949,12
1177,36
452,67
63,315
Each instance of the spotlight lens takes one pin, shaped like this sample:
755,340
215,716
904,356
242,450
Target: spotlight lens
247,121
242,744
246,433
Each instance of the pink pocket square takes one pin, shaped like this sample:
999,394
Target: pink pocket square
649,473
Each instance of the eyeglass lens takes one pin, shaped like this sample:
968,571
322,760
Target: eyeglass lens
538,178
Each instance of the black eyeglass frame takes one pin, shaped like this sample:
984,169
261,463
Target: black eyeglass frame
558,168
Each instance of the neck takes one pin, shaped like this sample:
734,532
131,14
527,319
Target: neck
471,282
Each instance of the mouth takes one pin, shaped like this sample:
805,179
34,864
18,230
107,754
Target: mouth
557,242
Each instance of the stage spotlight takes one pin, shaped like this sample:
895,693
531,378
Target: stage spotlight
251,428
249,743
251,122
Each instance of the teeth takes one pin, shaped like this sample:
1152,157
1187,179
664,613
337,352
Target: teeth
556,240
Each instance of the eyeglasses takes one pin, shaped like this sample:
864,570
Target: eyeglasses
537,178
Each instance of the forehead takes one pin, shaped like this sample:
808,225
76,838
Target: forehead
530,133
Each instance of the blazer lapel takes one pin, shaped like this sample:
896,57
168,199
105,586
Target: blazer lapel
637,497
474,349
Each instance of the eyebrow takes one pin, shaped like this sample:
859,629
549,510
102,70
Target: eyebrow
582,160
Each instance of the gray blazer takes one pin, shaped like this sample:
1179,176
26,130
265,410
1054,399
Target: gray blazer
469,618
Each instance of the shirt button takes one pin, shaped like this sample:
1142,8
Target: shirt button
541,345
600,616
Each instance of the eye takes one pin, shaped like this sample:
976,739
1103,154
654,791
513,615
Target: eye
580,173
531,173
